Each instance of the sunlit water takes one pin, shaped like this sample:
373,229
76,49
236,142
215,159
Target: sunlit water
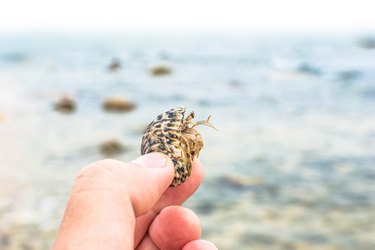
293,163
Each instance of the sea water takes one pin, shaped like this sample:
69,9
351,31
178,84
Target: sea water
293,163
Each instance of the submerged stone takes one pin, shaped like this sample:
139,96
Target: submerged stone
367,43
238,181
115,65
66,104
111,147
160,70
118,104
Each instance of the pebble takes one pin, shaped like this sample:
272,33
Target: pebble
65,105
118,104
242,181
367,43
234,84
349,75
111,147
309,69
4,240
160,70
115,65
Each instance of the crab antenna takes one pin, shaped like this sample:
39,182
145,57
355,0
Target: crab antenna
206,123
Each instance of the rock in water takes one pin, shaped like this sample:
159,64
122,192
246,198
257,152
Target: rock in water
118,104
111,147
367,43
160,70
65,105
115,65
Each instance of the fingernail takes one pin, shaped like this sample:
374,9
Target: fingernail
153,160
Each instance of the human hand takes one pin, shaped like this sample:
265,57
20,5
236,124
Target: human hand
117,205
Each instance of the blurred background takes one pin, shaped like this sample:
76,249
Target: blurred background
289,84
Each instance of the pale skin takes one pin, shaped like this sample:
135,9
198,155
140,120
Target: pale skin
118,205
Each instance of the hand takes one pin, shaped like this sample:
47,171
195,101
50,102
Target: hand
117,205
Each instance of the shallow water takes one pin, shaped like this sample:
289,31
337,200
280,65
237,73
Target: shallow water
293,166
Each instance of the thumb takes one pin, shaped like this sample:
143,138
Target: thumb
154,174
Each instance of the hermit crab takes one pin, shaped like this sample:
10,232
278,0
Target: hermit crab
174,135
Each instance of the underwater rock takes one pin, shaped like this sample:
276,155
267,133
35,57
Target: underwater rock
238,181
234,84
309,69
66,104
349,75
4,240
160,70
115,65
368,93
367,43
13,57
111,147
118,104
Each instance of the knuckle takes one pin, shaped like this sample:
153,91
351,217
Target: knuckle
99,168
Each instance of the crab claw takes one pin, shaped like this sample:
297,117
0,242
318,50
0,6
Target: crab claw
205,122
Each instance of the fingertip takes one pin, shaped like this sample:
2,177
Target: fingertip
174,227
198,167
154,160
157,161
152,175
200,245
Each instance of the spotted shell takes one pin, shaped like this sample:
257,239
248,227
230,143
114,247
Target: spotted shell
174,135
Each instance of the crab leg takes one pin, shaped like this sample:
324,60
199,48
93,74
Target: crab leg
204,122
